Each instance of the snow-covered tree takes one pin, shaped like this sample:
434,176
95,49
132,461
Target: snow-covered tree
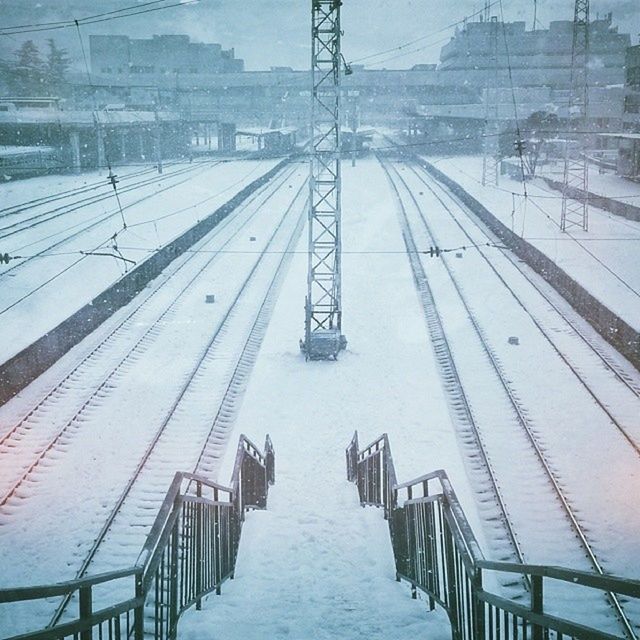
29,70
55,67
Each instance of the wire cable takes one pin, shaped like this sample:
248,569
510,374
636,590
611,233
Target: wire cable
104,17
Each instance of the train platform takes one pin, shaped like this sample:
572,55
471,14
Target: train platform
315,564
603,260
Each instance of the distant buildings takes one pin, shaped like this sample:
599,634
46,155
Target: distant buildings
538,58
629,139
122,56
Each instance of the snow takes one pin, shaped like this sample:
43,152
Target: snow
607,184
604,260
332,574
49,288
9,150
314,564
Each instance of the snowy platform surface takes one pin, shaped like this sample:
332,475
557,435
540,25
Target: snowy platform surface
315,564
607,184
604,260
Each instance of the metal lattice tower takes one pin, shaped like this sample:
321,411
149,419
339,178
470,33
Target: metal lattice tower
575,210
491,145
323,337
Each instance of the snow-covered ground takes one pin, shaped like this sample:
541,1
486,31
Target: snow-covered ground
604,259
315,564
55,279
332,575
601,182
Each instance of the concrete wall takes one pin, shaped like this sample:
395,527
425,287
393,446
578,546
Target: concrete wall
611,327
26,366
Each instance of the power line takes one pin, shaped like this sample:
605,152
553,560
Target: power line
519,144
97,15
421,38
104,17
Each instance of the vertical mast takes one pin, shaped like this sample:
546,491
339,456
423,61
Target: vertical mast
575,203
323,313
491,142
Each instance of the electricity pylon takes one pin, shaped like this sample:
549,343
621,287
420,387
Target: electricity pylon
323,337
575,202
491,142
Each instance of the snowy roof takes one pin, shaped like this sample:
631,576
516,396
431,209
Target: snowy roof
83,118
8,150
625,135
257,131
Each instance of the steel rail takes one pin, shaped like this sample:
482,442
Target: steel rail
65,209
133,351
455,393
612,366
524,423
174,406
5,212
249,353
624,379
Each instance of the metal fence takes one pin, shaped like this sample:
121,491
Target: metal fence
436,551
189,552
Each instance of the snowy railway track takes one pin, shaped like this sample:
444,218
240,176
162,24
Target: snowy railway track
86,226
520,431
27,443
207,421
601,353
15,209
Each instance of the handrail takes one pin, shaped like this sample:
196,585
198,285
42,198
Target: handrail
436,551
189,552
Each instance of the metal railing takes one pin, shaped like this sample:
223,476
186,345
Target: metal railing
190,551
436,551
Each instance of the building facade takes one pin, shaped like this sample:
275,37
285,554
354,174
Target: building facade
165,55
536,58
629,139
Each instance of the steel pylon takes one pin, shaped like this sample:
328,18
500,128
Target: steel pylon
575,203
491,142
323,338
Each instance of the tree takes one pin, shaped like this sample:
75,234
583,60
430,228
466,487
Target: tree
539,127
29,70
55,67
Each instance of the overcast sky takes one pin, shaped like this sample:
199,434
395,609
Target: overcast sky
276,32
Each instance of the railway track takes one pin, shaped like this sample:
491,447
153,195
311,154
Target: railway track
26,444
208,436
84,226
627,424
7,212
32,222
509,422
213,361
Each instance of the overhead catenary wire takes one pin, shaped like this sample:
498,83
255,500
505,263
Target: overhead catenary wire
421,38
519,146
112,177
125,12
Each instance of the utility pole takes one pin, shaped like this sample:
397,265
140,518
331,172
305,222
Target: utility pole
491,143
575,202
323,338
158,134
354,118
